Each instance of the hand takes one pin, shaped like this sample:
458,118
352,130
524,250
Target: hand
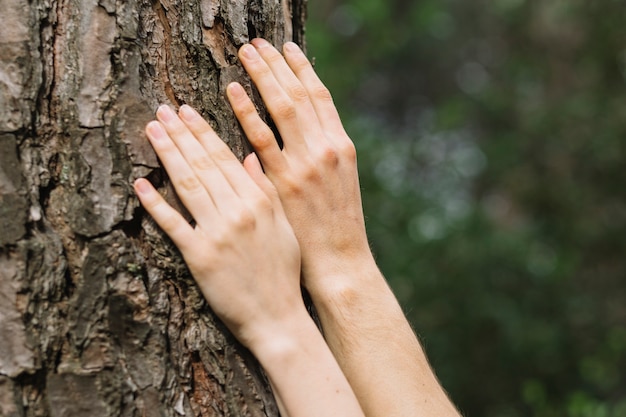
242,250
315,173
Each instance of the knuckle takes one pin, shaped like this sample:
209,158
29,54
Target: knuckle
311,175
273,56
261,69
220,238
348,151
164,147
263,202
176,128
243,219
298,93
329,155
222,154
300,63
321,93
246,110
284,109
152,205
292,185
263,139
188,184
309,172
202,163
202,129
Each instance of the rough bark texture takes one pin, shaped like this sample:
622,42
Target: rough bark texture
98,314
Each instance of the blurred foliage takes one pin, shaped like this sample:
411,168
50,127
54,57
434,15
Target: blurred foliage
492,151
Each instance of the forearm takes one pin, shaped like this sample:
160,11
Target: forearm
367,332
315,176
305,377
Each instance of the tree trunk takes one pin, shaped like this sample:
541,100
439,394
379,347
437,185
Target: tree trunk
98,313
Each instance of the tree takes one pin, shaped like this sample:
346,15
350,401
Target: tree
98,313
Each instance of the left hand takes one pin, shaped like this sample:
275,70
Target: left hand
242,250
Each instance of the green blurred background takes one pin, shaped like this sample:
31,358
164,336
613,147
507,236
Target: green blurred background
491,138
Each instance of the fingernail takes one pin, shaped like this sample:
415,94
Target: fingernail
249,52
142,186
165,113
187,112
260,43
291,47
235,90
155,131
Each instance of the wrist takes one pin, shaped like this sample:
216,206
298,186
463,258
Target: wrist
351,295
280,340
305,376
339,278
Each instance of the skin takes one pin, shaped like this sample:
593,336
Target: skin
253,286
315,177
306,201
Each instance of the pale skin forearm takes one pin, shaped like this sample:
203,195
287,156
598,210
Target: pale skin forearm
305,377
369,335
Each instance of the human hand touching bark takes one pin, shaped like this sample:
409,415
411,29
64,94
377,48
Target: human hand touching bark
250,284
315,173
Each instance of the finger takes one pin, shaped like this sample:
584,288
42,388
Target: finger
188,187
285,76
168,219
321,98
253,167
280,106
258,133
203,164
226,161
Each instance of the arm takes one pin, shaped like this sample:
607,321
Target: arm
315,175
251,285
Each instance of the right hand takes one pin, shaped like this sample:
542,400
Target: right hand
315,173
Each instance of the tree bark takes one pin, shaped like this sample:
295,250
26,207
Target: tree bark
98,313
